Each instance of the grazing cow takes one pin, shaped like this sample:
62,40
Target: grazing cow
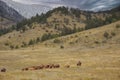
51,66
25,69
31,68
67,66
79,63
40,67
3,70
56,66
47,66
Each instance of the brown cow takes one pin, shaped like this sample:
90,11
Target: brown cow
25,69
51,66
56,66
47,66
40,67
79,63
3,70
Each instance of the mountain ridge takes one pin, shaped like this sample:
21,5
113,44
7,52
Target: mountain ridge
9,13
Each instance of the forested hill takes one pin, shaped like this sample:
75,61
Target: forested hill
90,19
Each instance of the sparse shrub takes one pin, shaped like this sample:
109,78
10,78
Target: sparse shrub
106,35
31,42
51,31
76,35
11,46
57,41
38,40
16,47
76,41
86,36
96,42
71,42
45,37
104,41
118,26
113,33
19,35
6,44
62,47
47,31
9,37
24,44
71,36
43,28
48,36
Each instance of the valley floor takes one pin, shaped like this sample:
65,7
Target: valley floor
101,63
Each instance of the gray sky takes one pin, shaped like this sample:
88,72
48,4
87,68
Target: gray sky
30,8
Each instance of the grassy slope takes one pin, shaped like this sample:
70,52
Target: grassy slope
91,38
98,63
17,37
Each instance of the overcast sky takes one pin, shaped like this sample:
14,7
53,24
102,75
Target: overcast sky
32,7
83,4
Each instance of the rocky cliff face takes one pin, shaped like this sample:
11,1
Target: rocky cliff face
9,13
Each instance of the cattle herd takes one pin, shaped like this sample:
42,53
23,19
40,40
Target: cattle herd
40,67
48,66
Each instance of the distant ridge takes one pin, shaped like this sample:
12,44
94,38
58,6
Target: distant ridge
9,13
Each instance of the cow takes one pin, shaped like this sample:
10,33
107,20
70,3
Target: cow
79,63
25,69
56,66
47,66
51,66
3,70
40,67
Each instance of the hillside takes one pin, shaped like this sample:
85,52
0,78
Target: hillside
97,37
55,23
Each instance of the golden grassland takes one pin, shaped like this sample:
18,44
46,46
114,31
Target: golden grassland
101,63
90,38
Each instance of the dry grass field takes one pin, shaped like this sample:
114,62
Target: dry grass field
97,63
100,60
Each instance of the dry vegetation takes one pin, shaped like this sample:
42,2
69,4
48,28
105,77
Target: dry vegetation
97,64
55,22
97,49
108,34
